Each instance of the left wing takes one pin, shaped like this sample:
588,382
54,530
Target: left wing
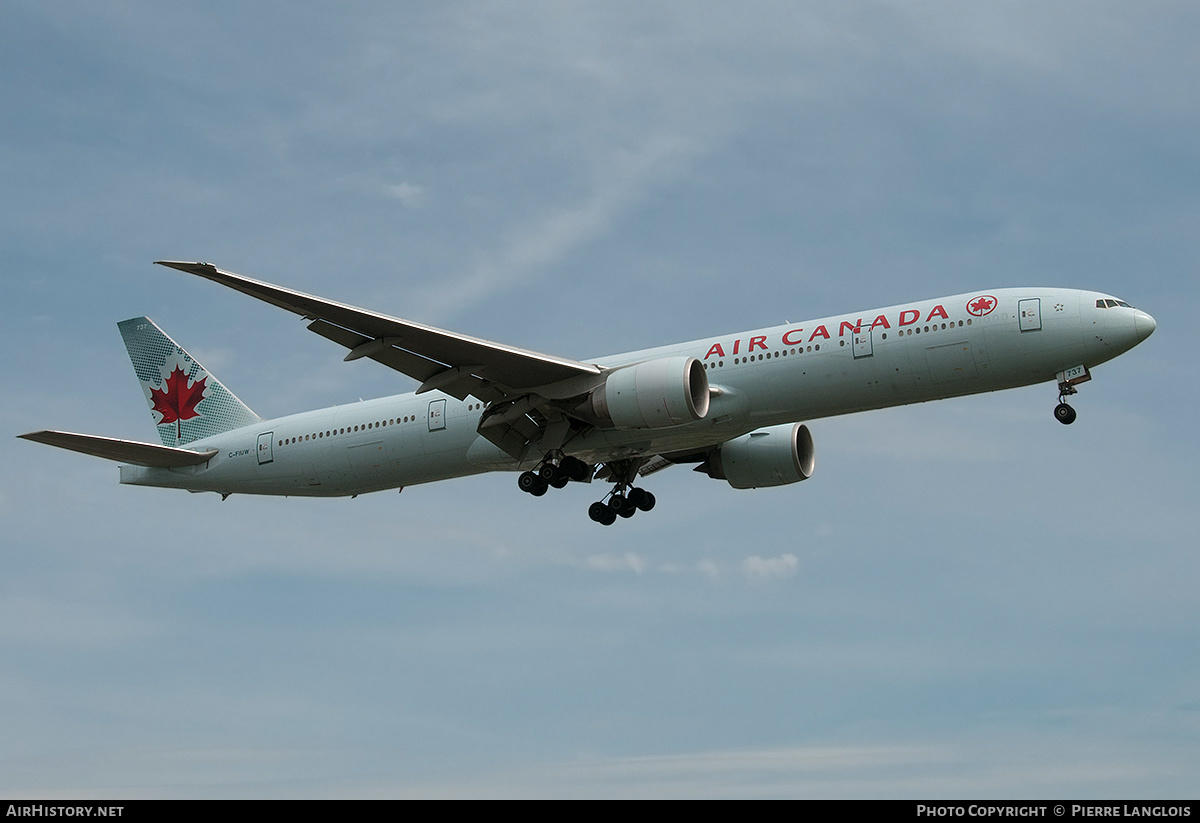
123,451
453,363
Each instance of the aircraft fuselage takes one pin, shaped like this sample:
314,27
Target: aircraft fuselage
911,353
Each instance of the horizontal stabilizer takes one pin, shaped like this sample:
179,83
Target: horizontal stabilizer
124,451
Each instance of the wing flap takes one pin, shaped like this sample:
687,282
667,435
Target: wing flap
123,451
414,365
419,346
456,381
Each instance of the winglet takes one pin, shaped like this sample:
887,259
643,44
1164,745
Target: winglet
201,269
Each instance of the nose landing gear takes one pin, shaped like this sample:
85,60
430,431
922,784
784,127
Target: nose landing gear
1067,380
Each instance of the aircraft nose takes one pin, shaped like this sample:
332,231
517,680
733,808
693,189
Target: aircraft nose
1144,324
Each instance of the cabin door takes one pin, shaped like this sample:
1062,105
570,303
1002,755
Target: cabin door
437,415
265,453
1029,313
862,343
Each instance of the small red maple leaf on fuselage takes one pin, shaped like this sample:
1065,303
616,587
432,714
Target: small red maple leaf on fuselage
981,306
179,401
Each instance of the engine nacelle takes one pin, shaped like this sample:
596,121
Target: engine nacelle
773,456
670,391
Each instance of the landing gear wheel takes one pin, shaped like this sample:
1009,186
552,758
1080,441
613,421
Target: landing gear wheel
602,514
559,481
548,472
573,468
539,490
528,481
625,499
643,499
1064,414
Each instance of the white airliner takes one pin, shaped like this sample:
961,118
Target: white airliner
731,403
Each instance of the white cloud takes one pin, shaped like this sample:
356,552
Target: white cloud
409,194
630,561
785,565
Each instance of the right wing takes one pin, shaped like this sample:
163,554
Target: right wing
123,451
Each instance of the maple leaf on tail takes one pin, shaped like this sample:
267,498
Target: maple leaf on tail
179,401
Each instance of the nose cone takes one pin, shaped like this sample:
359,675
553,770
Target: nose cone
1144,324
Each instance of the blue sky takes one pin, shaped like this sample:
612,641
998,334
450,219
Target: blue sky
967,599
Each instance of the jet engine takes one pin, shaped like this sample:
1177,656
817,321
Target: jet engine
670,391
774,456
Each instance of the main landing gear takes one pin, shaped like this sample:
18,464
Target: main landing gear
624,500
551,474
625,503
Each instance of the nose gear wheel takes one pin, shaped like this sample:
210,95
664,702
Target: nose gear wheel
1062,412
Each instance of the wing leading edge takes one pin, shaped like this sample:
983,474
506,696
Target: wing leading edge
454,363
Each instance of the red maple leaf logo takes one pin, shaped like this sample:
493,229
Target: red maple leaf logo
981,305
179,401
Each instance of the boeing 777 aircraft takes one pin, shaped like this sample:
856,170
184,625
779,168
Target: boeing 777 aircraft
733,404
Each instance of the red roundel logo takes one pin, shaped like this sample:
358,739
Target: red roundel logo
981,305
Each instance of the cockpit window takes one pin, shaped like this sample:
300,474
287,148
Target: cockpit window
1109,303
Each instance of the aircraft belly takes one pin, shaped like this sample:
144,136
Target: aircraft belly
487,456
225,481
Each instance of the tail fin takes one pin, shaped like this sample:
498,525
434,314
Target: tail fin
186,401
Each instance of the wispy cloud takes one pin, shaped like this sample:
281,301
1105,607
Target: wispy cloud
630,561
756,567
409,194
531,249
